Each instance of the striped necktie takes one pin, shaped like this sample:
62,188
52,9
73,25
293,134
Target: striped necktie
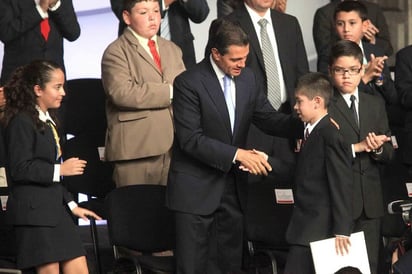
272,74
56,138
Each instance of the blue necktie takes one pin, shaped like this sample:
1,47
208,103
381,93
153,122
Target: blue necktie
227,80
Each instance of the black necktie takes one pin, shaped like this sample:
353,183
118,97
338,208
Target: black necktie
353,108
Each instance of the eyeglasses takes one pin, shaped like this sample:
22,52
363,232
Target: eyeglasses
342,71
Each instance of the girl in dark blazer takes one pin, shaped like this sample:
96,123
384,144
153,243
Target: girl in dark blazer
38,204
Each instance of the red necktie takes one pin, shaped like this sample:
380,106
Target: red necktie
155,54
45,28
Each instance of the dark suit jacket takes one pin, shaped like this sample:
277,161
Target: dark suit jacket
292,53
20,33
34,198
386,91
403,82
372,118
324,34
294,63
204,150
323,194
179,14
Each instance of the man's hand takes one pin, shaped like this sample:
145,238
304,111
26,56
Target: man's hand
371,32
342,245
253,161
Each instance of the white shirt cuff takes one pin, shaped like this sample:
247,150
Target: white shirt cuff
72,205
56,173
353,151
171,92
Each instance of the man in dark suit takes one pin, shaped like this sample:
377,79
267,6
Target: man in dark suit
214,105
20,31
403,76
364,124
177,13
323,178
324,34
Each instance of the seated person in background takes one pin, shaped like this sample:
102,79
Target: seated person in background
38,204
323,178
350,24
403,82
348,270
175,24
363,122
324,34
138,70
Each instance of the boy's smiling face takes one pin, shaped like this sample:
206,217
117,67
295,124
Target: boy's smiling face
352,74
349,26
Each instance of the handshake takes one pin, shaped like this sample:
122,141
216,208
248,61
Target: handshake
253,161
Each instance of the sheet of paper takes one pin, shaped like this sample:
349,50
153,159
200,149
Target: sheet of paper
3,178
326,260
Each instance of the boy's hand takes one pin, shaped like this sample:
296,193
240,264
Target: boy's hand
371,32
342,245
374,68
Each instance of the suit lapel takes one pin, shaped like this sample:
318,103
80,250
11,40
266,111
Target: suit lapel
247,25
141,51
242,94
343,108
213,87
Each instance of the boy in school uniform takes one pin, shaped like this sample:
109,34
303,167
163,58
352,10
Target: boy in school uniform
351,22
323,178
364,124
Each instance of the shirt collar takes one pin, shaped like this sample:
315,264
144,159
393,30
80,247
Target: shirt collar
346,96
141,39
256,17
44,116
310,127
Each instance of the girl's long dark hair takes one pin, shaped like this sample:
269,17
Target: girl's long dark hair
19,90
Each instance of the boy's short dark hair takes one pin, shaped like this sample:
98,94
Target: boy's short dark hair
345,48
315,84
129,4
351,5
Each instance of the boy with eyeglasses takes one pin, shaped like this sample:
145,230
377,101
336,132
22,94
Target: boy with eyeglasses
364,124
351,22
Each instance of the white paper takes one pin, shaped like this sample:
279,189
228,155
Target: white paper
284,196
326,260
3,178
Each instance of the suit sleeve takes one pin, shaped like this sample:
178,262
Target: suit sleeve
66,20
339,175
382,127
403,77
322,38
13,24
196,10
189,132
24,166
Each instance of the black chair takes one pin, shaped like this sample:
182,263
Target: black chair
95,182
265,227
85,119
140,224
84,107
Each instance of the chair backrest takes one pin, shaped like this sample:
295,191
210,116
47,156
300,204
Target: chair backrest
266,221
84,106
138,219
97,177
